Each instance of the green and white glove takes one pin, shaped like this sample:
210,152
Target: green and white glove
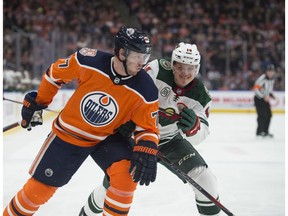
189,122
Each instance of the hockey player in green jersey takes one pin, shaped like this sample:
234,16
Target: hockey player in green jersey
184,104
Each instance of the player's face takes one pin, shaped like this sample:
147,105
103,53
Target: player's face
270,74
135,62
184,73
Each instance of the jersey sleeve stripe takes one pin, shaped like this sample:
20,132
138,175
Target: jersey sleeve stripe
51,81
202,120
146,136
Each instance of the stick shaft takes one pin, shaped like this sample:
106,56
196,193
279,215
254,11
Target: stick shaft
18,102
11,126
192,182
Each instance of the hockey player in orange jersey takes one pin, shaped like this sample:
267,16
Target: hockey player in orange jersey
112,90
184,104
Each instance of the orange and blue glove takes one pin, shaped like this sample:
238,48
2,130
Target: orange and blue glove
31,111
144,162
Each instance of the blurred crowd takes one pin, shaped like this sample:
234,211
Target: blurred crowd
237,39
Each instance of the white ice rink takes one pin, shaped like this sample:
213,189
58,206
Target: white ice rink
250,172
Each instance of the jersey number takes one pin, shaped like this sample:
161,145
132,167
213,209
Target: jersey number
64,65
155,115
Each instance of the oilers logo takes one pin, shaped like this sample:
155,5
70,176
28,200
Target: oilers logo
98,108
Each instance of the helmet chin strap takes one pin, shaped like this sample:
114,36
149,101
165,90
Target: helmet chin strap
125,66
124,62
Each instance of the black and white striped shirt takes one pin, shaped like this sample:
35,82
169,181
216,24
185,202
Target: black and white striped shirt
263,86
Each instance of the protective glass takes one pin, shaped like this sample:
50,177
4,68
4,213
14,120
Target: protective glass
189,69
139,58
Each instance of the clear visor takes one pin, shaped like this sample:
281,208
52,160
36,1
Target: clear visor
184,68
139,58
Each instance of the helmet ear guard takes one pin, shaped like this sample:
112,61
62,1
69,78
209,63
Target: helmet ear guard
186,54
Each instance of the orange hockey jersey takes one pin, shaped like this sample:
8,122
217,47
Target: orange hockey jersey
102,101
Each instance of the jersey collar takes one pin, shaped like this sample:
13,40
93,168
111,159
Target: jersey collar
117,78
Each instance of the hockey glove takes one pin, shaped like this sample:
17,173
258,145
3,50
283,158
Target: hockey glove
189,123
127,129
144,163
31,111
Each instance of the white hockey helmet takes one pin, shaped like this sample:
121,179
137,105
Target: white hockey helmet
187,54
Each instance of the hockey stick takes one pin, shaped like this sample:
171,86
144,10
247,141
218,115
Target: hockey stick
193,183
11,126
15,124
18,102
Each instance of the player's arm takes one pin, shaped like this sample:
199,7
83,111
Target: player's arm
59,73
146,137
258,87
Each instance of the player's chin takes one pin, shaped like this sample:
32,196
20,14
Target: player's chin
185,82
134,72
138,68
187,79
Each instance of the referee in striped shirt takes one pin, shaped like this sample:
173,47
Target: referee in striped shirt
263,88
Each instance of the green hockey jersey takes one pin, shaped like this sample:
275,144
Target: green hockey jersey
173,98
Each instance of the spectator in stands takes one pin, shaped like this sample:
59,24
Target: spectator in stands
229,40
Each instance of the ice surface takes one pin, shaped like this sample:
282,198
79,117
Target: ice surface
250,172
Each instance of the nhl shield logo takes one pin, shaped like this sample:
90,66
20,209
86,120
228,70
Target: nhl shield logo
98,108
